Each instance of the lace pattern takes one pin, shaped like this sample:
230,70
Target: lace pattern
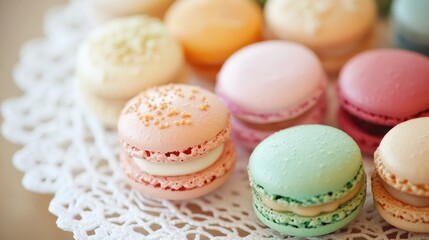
67,153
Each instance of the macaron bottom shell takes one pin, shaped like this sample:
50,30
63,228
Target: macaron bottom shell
250,138
397,213
326,223
367,141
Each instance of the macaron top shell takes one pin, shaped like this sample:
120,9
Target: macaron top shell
386,86
126,55
404,151
171,118
305,161
412,14
320,24
271,76
211,30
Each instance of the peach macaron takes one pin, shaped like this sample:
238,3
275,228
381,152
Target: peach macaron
175,142
335,29
212,30
400,184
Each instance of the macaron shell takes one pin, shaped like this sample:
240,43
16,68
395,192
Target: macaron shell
291,75
397,213
321,25
175,187
338,160
320,225
367,142
385,86
250,137
211,30
404,151
206,116
152,57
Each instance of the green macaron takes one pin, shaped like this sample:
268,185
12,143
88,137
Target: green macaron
307,180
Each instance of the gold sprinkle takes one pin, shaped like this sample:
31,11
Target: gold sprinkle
177,123
188,122
195,90
204,99
186,115
163,106
148,117
159,113
173,112
182,122
146,124
156,122
192,97
204,106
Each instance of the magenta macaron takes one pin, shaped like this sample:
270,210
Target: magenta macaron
379,89
270,86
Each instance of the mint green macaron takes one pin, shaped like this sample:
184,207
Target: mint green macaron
307,180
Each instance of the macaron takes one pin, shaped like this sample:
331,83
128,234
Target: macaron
336,29
212,30
269,86
400,184
104,10
411,29
379,89
175,142
122,58
307,180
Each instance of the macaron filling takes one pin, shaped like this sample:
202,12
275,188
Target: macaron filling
312,211
406,198
315,200
366,126
180,168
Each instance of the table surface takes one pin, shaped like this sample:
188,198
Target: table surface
23,215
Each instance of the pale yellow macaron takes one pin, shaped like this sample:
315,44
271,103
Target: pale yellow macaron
335,29
212,30
104,10
122,58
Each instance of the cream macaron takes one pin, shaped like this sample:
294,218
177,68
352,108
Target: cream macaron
335,29
104,10
122,58
400,184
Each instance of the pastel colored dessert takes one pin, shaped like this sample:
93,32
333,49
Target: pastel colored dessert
411,29
307,180
122,58
379,89
211,30
400,184
104,10
269,86
383,7
175,142
335,29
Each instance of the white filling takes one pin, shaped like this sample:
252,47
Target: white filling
182,168
406,198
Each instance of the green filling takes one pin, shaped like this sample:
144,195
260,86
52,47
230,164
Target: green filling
315,200
297,221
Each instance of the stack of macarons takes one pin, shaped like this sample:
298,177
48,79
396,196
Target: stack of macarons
270,86
212,30
379,89
175,142
122,58
335,29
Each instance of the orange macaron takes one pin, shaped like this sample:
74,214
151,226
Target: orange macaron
175,142
212,30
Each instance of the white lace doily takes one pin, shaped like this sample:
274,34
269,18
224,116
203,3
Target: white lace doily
66,152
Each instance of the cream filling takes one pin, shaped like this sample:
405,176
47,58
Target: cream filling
182,168
406,198
312,210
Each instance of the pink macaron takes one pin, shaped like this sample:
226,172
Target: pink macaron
270,86
379,89
175,142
